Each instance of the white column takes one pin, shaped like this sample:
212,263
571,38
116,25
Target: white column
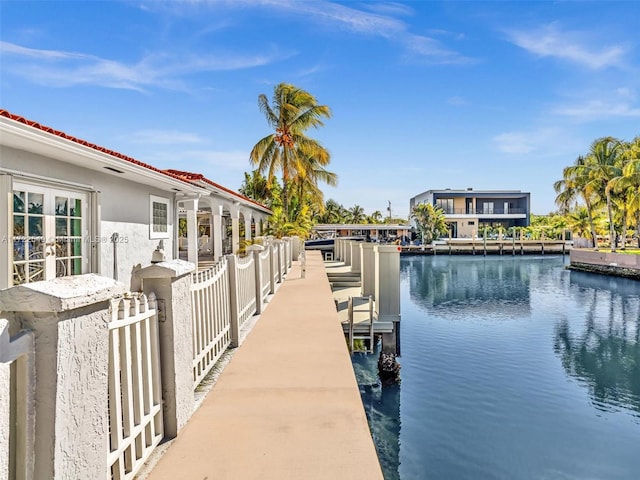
217,231
247,226
235,228
191,207
258,226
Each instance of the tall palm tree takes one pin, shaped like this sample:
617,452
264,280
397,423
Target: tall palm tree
375,217
333,213
292,112
603,165
627,185
356,214
430,221
574,184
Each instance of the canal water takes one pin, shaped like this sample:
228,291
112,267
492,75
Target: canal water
512,368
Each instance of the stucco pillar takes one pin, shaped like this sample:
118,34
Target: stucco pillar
69,317
295,247
355,257
347,252
258,223
387,292
367,269
170,282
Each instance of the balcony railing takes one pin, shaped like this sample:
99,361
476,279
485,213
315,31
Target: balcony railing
484,211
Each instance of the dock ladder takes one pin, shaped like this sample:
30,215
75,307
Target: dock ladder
368,323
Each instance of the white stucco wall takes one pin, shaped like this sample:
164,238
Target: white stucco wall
124,208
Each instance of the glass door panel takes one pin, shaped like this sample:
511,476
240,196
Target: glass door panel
47,229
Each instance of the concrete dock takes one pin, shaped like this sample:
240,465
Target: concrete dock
287,406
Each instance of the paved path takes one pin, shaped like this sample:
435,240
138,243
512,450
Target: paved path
287,406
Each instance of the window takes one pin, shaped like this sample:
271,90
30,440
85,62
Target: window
446,204
158,217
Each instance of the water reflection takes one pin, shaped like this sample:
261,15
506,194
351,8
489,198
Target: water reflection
605,353
469,286
511,369
382,406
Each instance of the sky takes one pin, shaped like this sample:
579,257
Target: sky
424,94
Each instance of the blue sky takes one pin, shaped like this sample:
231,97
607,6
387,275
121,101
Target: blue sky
424,94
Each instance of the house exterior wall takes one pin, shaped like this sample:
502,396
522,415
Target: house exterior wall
472,210
123,208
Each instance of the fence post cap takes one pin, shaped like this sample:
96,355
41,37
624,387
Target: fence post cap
168,269
255,248
60,294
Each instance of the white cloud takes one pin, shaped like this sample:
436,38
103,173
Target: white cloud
594,109
550,41
163,137
514,143
541,140
379,21
457,101
593,105
429,48
64,69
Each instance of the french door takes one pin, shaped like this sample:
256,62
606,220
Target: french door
49,232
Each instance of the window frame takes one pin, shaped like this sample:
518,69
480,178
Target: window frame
153,234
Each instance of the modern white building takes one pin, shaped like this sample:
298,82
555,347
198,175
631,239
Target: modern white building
72,207
469,211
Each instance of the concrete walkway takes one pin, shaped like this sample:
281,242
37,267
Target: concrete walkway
287,406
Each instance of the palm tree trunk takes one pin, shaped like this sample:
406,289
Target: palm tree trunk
594,234
612,229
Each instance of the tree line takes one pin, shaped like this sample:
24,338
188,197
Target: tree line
598,195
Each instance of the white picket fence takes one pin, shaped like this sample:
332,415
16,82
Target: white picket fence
135,394
266,286
211,318
222,300
246,288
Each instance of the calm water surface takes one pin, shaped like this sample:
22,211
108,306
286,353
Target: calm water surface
512,368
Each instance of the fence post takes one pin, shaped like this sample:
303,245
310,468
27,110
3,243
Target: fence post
367,269
171,282
272,286
387,292
233,297
69,317
255,251
355,257
277,244
347,252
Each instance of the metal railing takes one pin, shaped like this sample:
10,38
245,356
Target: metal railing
482,211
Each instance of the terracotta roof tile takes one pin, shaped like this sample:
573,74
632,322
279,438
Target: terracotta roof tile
187,177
